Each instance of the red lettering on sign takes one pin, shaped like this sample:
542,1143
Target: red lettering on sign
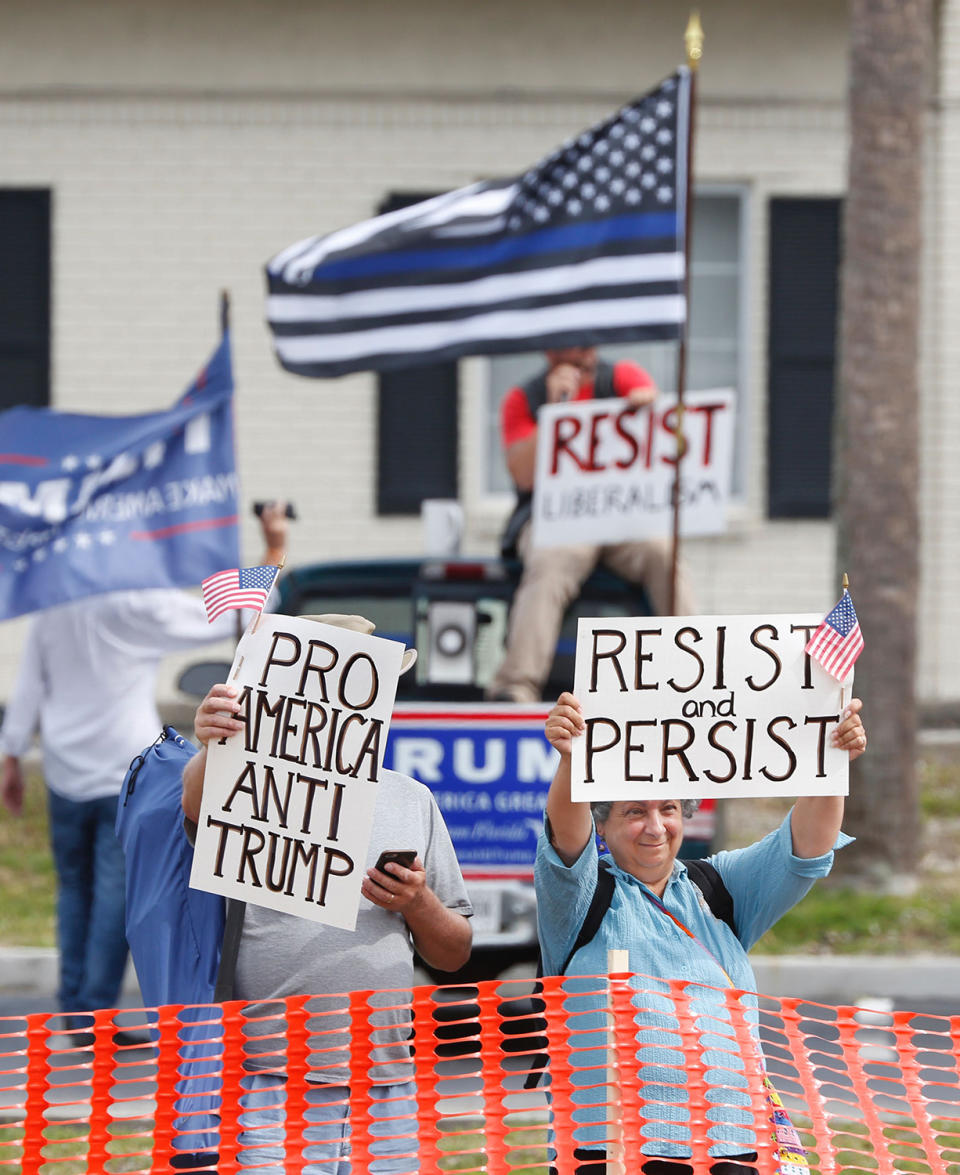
596,421
626,462
562,438
708,411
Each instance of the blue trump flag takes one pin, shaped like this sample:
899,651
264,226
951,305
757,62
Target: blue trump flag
93,504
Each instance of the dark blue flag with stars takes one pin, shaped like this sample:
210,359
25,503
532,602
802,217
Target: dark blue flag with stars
586,247
93,504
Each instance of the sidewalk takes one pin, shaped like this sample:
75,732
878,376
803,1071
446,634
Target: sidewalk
827,979
31,972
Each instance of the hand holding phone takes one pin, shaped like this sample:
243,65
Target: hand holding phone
404,857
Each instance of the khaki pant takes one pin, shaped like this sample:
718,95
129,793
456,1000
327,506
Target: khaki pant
552,578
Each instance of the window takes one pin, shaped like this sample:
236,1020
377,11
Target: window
714,349
417,424
24,297
804,265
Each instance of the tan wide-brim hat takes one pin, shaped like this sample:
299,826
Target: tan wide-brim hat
361,624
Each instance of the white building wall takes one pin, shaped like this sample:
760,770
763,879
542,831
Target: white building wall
185,144
939,674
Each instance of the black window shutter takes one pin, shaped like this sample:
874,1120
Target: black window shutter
417,424
804,273
24,297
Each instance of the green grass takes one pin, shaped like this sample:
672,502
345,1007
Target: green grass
26,873
842,921
845,921
939,789
462,1147
65,1147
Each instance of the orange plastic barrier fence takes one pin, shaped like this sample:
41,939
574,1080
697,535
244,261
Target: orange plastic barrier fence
442,1074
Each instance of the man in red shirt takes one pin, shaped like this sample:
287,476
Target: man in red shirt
552,577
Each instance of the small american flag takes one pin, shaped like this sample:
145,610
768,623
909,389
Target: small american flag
838,642
240,587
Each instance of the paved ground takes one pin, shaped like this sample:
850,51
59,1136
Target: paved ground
920,983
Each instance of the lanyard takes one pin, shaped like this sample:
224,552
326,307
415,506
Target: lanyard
687,931
791,1156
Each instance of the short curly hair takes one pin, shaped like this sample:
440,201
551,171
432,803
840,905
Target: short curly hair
601,809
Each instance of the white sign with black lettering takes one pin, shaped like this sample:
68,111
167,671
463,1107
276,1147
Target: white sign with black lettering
288,801
697,706
605,471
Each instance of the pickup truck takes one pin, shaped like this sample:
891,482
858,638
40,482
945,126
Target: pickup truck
488,765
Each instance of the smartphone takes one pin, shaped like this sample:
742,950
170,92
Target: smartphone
290,510
404,857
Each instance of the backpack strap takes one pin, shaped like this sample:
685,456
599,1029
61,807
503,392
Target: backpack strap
229,952
599,904
603,388
703,875
706,878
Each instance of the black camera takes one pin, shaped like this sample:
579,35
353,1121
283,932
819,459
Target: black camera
259,507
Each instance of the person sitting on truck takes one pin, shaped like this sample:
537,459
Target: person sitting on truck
659,915
423,907
552,576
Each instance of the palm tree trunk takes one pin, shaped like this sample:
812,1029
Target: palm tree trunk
876,482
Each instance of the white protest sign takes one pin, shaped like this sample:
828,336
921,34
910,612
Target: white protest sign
681,707
605,471
288,801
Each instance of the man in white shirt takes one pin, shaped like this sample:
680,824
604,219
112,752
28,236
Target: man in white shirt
87,681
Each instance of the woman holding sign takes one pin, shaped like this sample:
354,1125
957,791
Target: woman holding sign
666,922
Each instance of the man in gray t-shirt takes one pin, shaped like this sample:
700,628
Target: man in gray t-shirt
283,955
424,908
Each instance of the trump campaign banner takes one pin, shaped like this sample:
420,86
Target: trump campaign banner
93,504
605,470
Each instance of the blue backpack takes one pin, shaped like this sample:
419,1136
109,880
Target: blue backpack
176,934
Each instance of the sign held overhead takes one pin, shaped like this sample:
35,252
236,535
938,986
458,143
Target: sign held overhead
696,706
288,801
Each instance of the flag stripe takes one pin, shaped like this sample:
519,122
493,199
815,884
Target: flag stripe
451,279
307,254
453,314
482,328
165,532
501,252
555,282
395,361
252,600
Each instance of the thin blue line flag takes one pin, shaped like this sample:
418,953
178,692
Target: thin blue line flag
586,247
92,504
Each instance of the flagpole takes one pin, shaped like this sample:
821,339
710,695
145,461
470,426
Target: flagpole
843,689
224,328
693,38
259,616
224,312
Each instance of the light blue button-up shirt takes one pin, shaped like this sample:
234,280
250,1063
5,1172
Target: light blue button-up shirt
765,880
